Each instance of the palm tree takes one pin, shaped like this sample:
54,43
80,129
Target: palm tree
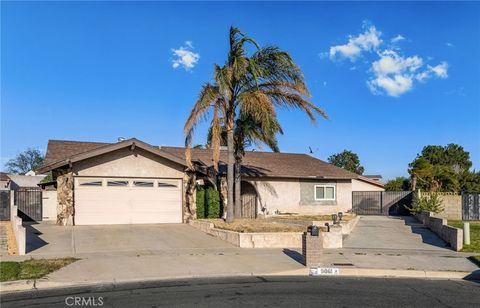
248,86
247,132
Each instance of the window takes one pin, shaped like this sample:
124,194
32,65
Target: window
113,183
167,183
143,183
325,192
89,182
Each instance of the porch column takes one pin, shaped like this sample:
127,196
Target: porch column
190,202
65,207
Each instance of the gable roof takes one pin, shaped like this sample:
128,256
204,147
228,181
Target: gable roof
26,180
4,176
255,164
61,153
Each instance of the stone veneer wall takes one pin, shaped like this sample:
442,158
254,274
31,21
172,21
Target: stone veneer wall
65,207
189,201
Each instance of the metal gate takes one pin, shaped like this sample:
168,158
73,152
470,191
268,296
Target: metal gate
381,202
4,205
29,204
470,206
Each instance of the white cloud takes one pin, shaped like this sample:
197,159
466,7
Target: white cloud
390,73
440,70
391,62
393,86
185,57
397,38
449,44
394,74
366,41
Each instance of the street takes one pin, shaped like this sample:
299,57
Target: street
260,291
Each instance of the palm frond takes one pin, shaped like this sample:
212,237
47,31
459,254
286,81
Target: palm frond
208,95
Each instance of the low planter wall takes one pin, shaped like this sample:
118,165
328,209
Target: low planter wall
19,230
347,225
453,236
332,239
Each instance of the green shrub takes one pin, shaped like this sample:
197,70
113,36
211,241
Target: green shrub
200,202
212,202
429,203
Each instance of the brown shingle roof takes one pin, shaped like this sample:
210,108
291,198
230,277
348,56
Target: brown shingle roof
61,149
284,165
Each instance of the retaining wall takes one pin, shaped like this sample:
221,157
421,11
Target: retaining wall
332,239
449,234
19,230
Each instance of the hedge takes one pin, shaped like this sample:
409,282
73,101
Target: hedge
212,201
208,203
200,202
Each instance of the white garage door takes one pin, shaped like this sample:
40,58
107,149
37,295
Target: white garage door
101,201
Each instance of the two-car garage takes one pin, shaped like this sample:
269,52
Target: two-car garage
123,200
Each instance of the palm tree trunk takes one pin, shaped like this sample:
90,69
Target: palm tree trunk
230,165
238,188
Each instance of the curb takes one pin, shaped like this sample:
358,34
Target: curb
45,284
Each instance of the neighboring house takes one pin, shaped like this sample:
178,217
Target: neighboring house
23,182
132,182
4,181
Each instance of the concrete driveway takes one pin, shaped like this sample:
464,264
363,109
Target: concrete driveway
48,239
138,252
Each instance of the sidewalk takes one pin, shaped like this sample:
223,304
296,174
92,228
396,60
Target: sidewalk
128,267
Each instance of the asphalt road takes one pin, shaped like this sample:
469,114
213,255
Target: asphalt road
260,291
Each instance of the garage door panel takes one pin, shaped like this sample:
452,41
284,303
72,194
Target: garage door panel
127,205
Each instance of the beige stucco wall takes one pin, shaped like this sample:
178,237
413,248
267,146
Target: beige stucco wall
452,206
296,196
364,186
49,205
124,162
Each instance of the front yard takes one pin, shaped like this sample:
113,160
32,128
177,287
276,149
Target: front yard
281,223
31,269
474,234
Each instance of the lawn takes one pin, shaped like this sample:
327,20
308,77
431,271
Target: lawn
31,269
474,234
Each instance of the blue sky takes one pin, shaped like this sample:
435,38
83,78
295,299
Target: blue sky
393,77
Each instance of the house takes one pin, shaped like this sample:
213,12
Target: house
24,182
4,181
132,182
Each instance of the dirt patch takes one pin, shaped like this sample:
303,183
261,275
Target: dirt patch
11,243
254,225
309,218
284,223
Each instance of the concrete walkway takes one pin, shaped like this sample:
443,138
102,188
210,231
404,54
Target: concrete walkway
393,232
397,243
